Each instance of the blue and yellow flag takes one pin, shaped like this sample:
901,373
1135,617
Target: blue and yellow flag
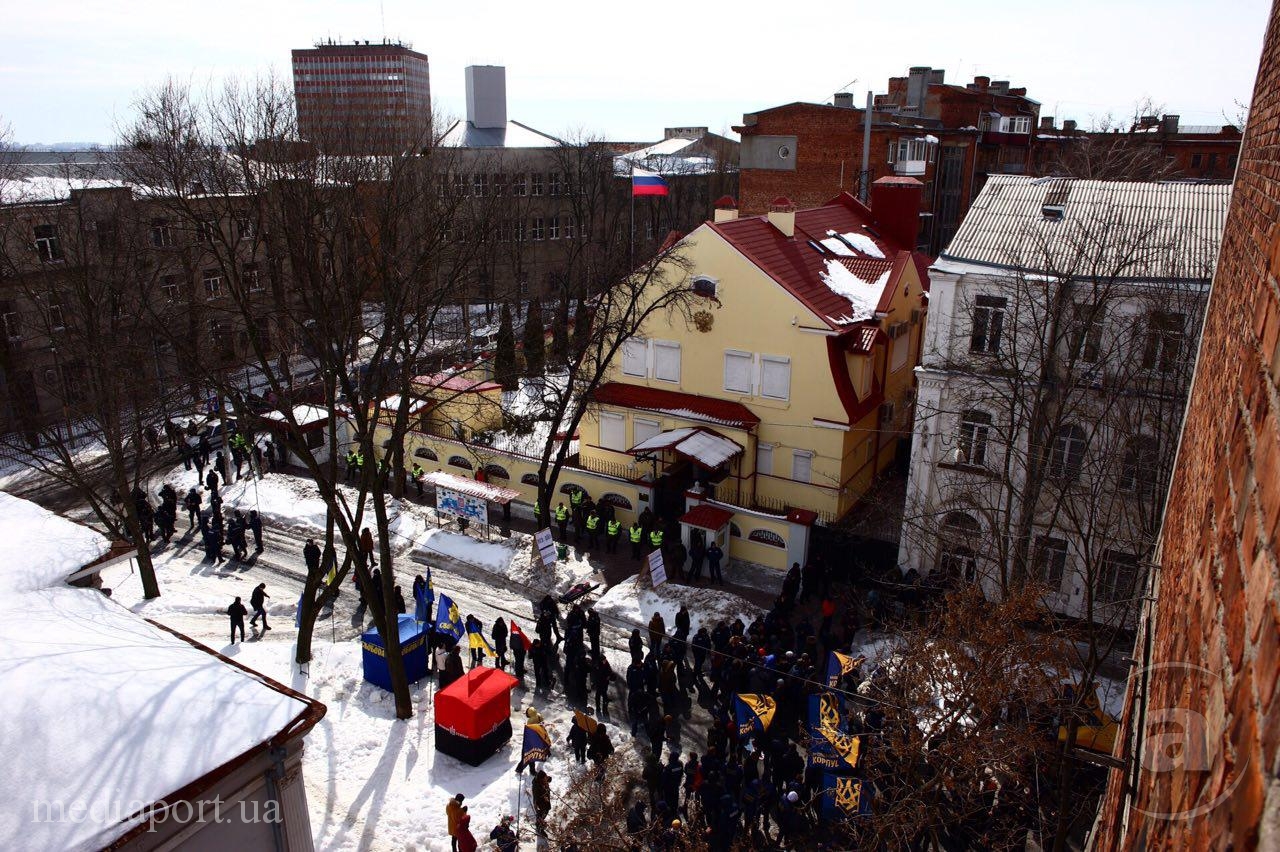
537,745
830,747
754,713
845,798
448,619
839,665
475,638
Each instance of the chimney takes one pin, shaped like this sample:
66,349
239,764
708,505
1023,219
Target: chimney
1046,122
726,209
487,95
782,215
1169,123
917,84
1000,87
843,100
895,207
1149,121
981,83
936,76
1069,126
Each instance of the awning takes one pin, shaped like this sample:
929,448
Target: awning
307,417
479,490
706,517
416,404
694,443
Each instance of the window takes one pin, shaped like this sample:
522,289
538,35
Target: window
666,361
12,322
500,184
1051,561
1162,351
613,431
536,229
764,459
171,286
1117,580
1086,332
737,371
480,185
459,461
537,183
898,351
47,246
554,184
496,471
212,284
53,306
1139,466
161,235
249,274
633,357
988,322
801,465
247,228
426,453
569,229
1067,458
205,231
642,430
1015,124
975,429
775,377
108,232
553,228
916,150
460,185
520,185
1195,161
704,286
216,332
958,555
1212,164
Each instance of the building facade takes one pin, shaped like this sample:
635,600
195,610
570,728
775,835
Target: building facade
788,392
1198,744
949,137
362,97
1063,325
1163,143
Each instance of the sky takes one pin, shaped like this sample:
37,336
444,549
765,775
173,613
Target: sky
618,71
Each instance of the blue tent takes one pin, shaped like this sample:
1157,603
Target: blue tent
413,645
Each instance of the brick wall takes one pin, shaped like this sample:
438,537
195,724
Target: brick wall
1215,629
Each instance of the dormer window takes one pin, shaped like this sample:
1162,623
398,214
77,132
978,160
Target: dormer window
704,286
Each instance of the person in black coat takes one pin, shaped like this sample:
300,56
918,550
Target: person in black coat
237,612
452,667
601,676
577,739
311,555
593,632
255,524
211,483
636,645
258,600
600,746
518,652
541,666
499,635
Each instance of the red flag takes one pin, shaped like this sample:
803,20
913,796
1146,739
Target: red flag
517,633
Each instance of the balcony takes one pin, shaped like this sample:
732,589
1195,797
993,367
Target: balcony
913,168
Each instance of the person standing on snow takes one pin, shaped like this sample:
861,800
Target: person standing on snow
453,814
255,524
258,601
237,612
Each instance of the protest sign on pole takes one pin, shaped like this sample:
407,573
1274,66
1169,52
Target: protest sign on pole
546,546
657,568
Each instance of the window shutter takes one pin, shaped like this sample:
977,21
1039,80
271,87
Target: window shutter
612,431
643,430
775,377
764,459
737,372
633,352
801,465
666,361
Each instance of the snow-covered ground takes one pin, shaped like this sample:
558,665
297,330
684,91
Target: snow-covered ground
629,602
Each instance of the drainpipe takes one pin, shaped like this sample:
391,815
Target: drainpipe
864,177
274,776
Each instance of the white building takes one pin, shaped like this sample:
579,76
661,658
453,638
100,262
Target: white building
1063,323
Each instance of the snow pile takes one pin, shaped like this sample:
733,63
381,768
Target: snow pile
863,296
628,603
40,549
861,242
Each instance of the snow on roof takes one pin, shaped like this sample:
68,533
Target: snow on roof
464,134
392,403
41,188
472,488
304,415
837,247
854,240
701,445
39,549
863,296
104,714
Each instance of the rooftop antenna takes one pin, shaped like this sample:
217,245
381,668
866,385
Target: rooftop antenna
382,12
847,85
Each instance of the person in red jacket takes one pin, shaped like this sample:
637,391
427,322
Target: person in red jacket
466,840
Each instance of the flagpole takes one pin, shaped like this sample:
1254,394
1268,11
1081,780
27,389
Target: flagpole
631,246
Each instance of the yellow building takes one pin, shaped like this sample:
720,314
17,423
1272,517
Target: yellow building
792,388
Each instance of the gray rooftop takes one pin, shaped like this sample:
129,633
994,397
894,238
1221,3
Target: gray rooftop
1117,229
464,134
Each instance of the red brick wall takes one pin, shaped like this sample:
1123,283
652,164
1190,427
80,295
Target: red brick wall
1215,634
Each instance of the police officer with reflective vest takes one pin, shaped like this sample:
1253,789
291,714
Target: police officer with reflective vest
593,529
611,535
636,534
418,474
537,512
655,539
352,464
562,519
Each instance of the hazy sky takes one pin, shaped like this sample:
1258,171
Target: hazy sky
69,70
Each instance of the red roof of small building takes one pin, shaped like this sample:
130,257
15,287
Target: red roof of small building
685,405
458,384
706,517
798,263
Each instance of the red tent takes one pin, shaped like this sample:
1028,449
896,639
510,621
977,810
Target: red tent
473,714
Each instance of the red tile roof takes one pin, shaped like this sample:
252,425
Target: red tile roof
686,405
706,517
865,337
457,384
798,263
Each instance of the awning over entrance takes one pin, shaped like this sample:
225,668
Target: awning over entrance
694,443
706,517
479,490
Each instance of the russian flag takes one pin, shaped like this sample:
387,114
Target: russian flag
647,183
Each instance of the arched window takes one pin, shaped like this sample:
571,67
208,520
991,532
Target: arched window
426,453
496,471
735,530
975,430
570,487
615,500
1067,459
768,537
958,554
529,479
459,461
1139,466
